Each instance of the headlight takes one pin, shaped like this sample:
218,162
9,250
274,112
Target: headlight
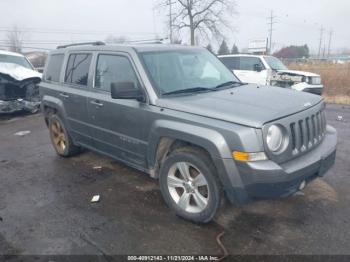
274,138
316,80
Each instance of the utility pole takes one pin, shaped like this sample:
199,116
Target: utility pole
329,42
320,45
271,23
170,21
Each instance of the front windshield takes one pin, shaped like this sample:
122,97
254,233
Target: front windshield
18,60
185,69
275,63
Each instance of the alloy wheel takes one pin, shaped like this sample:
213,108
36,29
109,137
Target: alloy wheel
58,137
188,187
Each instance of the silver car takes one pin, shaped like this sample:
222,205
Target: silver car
178,114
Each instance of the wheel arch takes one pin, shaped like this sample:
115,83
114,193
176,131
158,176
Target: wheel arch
52,105
168,135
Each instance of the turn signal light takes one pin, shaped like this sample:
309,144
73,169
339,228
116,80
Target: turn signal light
248,157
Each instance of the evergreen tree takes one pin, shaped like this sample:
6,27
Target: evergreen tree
234,49
223,49
210,48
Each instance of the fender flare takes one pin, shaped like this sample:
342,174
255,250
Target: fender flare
209,139
53,102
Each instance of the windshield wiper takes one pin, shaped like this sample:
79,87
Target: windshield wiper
228,84
204,89
187,90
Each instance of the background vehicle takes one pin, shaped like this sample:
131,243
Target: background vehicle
178,114
18,84
269,70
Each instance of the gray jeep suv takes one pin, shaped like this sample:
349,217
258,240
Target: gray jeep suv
178,114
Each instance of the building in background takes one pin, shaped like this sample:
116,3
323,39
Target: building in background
258,46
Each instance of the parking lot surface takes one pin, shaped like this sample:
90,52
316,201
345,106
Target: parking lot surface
45,205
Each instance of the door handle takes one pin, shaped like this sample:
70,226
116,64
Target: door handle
96,103
64,95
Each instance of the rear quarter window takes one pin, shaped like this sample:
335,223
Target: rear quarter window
54,68
77,70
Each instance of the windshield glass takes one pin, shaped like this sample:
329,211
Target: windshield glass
275,63
185,69
18,60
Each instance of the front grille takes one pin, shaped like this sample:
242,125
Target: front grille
308,132
10,92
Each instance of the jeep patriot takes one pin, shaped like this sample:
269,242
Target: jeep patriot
178,114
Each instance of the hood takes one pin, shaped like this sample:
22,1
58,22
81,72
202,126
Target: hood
19,73
247,105
295,72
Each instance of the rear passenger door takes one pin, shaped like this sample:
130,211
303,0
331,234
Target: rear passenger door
117,123
74,95
247,73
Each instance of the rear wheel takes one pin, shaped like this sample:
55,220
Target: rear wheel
189,185
60,138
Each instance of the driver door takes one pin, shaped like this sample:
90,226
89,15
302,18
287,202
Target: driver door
117,123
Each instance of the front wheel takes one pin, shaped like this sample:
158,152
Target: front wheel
189,185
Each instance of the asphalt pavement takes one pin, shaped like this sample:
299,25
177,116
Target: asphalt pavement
45,205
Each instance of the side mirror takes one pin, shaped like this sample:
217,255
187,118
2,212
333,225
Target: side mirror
258,68
126,90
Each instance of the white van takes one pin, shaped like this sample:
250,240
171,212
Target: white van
269,70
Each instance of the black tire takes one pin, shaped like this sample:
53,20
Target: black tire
201,161
69,148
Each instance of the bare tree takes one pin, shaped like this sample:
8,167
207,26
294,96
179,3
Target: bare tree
207,17
15,39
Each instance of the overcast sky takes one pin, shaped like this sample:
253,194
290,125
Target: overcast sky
59,21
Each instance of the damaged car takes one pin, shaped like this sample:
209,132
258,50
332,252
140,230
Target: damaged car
18,84
269,70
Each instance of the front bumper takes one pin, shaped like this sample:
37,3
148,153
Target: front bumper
18,105
305,87
266,179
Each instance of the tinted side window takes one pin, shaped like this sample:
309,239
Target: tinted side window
247,63
231,63
113,69
78,69
54,67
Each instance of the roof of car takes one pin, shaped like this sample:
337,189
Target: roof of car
4,52
245,55
125,47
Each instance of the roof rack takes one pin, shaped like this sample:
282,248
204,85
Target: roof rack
84,43
147,41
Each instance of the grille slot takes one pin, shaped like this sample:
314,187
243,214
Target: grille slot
313,128
301,134
318,125
292,130
307,132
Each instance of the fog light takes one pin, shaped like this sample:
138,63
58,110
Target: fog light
302,185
